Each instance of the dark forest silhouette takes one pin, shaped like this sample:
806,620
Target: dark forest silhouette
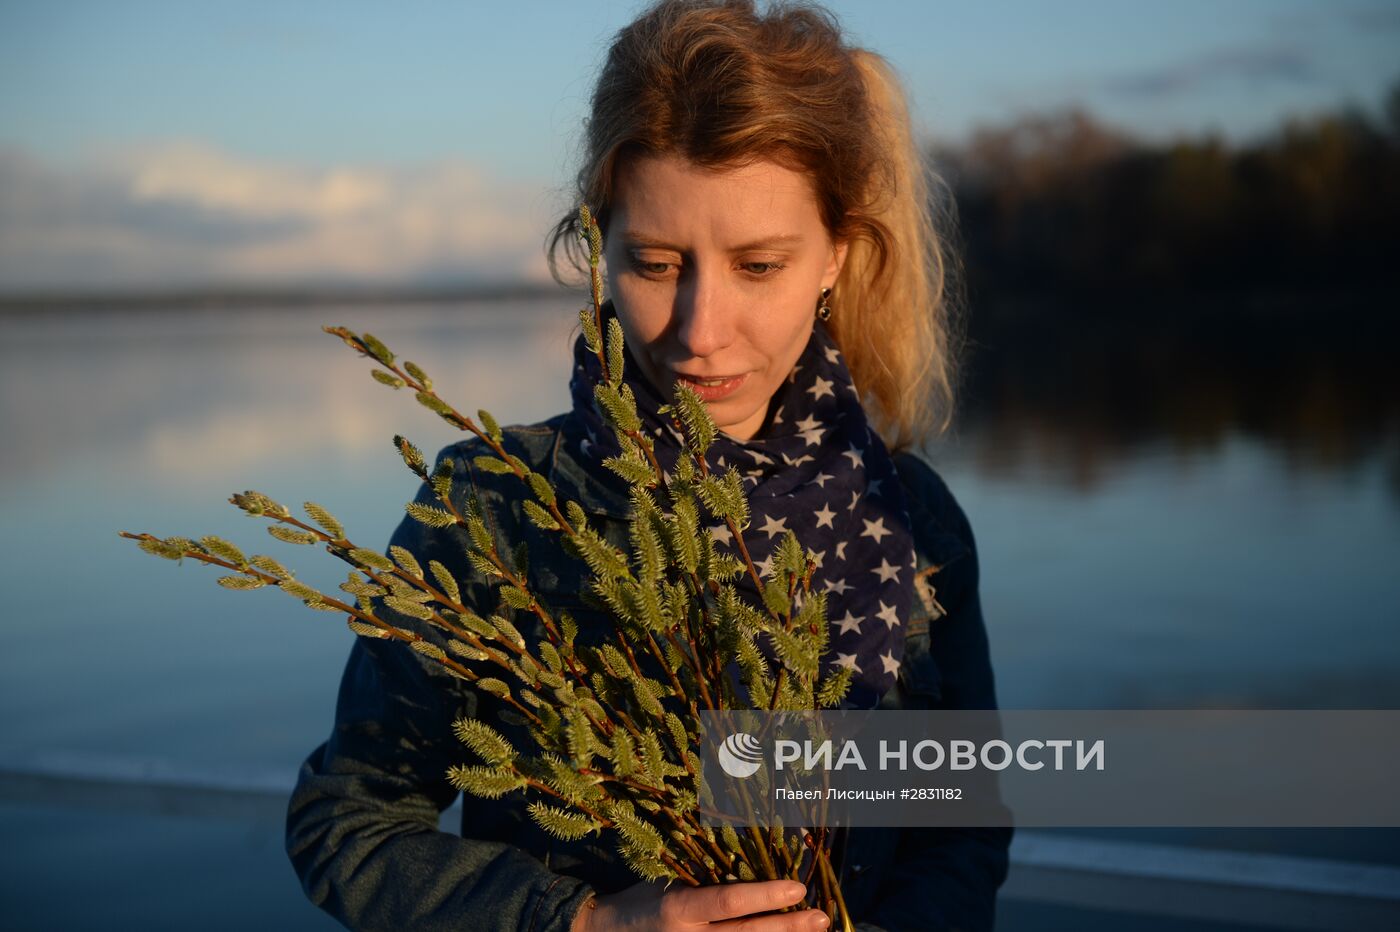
1121,293
1065,202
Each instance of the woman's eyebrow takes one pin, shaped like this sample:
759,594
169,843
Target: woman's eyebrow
634,238
770,242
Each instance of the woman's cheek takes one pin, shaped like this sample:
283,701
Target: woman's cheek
644,310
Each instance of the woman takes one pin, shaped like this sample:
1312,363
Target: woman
766,242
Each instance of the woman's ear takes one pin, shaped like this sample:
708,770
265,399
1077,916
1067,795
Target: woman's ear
833,266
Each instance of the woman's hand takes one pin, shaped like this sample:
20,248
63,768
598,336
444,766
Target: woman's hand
645,907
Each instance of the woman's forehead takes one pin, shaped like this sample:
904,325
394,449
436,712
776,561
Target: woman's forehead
657,197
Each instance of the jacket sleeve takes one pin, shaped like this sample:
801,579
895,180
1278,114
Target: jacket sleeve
362,822
947,878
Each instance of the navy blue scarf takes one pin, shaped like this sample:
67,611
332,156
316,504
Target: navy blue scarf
816,469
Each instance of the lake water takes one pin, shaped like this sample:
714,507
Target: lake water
1226,576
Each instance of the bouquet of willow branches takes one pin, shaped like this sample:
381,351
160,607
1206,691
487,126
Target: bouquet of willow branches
614,725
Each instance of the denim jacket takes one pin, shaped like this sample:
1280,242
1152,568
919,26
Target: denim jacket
362,823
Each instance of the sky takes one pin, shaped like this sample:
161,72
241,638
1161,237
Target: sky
148,144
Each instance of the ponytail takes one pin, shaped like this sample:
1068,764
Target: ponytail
893,310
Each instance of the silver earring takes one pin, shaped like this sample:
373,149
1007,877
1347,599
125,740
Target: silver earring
824,309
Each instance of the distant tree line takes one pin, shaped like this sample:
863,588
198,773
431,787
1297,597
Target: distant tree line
1063,204
1120,292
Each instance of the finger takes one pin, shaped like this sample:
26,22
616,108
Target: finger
808,920
731,900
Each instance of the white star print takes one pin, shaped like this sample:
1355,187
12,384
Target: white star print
720,534
874,486
760,458
792,376
848,661
820,387
886,572
855,500
837,586
840,550
821,479
774,526
763,567
809,429
857,457
796,462
850,623
824,516
875,529
887,615
817,557
832,354
891,665
778,415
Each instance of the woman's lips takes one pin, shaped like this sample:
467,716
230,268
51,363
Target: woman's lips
712,390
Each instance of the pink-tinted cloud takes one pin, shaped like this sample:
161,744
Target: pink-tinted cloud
186,214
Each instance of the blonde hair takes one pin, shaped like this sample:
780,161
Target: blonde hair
719,83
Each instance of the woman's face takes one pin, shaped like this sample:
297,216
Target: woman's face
715,275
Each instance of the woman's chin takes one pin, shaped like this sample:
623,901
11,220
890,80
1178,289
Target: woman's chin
738,424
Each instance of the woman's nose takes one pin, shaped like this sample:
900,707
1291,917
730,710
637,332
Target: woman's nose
703,324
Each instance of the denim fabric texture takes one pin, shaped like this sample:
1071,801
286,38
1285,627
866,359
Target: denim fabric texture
362,823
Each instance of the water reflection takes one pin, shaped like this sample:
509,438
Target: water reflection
1172,518
1081,387
177,392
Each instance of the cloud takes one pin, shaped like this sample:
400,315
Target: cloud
1258,64
186,214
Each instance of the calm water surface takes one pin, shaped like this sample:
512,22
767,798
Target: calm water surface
1164,575
1225,578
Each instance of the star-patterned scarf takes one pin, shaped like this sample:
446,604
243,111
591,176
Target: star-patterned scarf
818,470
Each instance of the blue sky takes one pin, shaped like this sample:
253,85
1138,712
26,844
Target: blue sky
115,115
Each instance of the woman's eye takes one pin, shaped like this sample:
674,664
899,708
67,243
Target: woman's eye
652,268
761,269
